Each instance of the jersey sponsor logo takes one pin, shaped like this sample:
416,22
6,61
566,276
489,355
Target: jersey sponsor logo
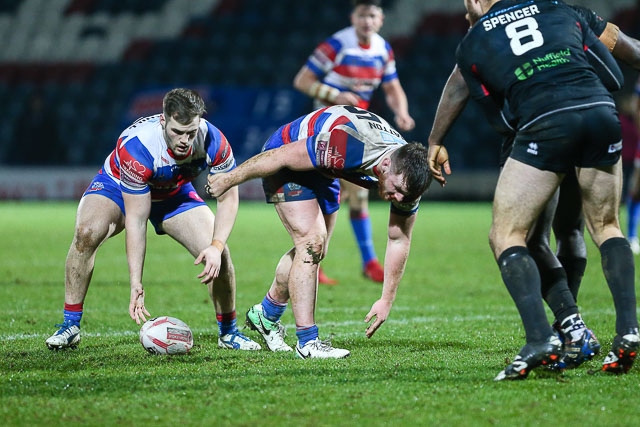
503,19
293,190
524,71
550,60
180,173
134,169
95,186
329,155
533,148
223,166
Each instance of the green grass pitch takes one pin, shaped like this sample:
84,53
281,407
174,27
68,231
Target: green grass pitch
452,327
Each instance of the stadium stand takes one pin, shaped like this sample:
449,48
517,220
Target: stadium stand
89,58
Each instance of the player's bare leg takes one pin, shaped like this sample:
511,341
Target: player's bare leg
515,209
97,219
306,225
579,343
601,200
193,229
304,222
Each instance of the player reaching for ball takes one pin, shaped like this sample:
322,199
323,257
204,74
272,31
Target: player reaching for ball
300,165
346,69
148,176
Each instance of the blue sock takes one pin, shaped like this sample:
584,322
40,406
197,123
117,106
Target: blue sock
361,226
272,309
72,313
633,217
227,323
306,334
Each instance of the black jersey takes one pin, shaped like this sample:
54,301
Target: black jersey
596,22
531,54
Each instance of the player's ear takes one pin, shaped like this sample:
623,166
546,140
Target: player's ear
385,164
163,122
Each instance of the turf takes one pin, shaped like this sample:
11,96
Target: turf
452,329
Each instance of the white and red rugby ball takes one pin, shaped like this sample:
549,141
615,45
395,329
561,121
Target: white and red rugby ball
166,335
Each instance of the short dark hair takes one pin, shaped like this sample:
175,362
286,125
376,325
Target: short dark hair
183,105
357,3
410,161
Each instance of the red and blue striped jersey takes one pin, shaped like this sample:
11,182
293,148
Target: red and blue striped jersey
142,161
342,62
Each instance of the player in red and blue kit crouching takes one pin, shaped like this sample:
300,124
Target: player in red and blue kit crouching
148,176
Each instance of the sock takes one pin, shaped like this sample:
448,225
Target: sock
556,293
633,217
619,270
574,267
226,322
521,277
306,334
361,225
272,309
573,327
73,313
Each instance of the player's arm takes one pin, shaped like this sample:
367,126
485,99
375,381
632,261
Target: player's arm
293,156
602,60
452,102
396,99
626,49
307,82
226,213
395,260
138,208
623,47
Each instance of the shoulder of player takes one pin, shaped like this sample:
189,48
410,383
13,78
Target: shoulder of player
145,131
208,128
344,33
378,40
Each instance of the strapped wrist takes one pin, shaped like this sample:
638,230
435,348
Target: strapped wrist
323,92
609,36
218,244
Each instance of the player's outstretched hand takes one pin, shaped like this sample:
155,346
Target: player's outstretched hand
380,311
137,310
438,159
212,259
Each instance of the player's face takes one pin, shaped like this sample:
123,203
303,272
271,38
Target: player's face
367,21
474,11
180,137
391,187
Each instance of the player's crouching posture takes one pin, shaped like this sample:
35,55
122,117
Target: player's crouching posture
299,166
148,176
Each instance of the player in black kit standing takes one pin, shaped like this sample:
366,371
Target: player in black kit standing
531,56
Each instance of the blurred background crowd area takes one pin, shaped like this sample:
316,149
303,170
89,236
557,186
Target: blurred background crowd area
74,73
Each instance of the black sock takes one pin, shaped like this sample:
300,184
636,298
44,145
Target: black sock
619,270
556,293
521,277
574,267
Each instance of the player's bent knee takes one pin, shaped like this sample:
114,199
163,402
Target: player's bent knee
88,238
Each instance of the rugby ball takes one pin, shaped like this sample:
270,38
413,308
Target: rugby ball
166,335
